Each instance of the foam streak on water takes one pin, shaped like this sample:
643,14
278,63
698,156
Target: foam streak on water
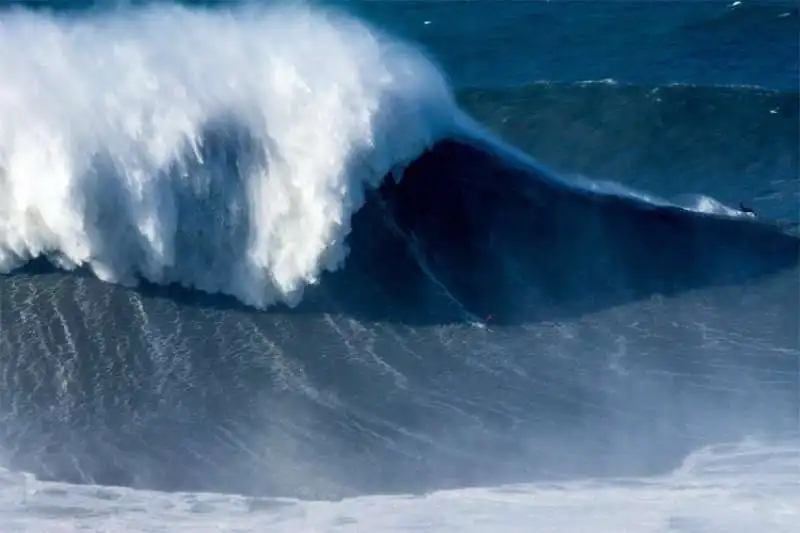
221,150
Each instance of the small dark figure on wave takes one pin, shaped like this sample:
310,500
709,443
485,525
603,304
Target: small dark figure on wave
744,209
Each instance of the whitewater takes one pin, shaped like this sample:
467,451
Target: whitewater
740,488
229,151
228,156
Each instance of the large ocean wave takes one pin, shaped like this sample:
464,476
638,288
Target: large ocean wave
409,302
223,151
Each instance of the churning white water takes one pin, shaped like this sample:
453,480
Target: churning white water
221,150
745,488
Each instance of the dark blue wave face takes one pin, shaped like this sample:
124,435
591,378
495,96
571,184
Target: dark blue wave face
520,247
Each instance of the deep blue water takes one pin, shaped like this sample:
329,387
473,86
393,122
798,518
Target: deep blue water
654,43
496,320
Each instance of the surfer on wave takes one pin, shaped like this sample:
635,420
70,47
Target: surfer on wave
747,210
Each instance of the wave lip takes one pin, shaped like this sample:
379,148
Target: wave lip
224,151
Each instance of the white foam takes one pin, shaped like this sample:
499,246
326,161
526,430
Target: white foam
731,489
105,120
705,204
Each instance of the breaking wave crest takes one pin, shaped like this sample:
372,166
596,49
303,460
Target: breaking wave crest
224,151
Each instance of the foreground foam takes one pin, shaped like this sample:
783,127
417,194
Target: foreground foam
738,488
221,150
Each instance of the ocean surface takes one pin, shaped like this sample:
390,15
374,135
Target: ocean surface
408,266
